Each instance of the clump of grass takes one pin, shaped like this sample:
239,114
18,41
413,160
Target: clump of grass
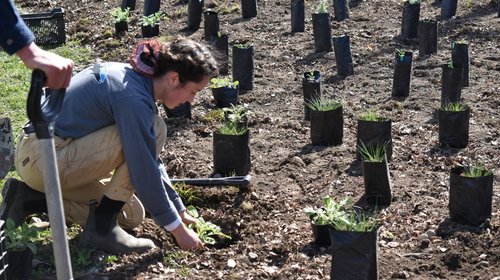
322,7
235,123
187,194
371,116
454,107
355,221
231,128
372,153
322,103
213,117
474,170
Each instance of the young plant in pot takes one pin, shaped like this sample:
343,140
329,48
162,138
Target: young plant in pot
121,18
454,125
243,68
321,218
343,55
297,15
373,129
409,24
20,249
460,56
225,91
150,25
231,151
354,246
210,23
327,121
451,83
401,81
376,174
471,194
311,88
322,30
427,37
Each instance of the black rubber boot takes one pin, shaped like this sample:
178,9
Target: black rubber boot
115,240
20,201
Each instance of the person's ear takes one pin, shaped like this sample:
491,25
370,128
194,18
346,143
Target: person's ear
173,78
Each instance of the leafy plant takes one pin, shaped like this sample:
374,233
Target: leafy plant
329,212
354,221
187,194
322,7
243,45
205,230
151,20
371,116
81,257
401,54
322,103
310,75
121,15
372,153
454,107
20,238
473,170
235,123
231,128
235,114
450,64
223,82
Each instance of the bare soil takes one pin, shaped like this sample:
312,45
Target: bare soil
271,235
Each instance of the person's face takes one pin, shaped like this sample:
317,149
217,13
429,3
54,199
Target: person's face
174,93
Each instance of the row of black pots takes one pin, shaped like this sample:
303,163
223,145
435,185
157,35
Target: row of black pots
195,12
341,12
147,31
150,6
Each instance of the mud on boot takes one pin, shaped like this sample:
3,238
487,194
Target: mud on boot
114,240
20,201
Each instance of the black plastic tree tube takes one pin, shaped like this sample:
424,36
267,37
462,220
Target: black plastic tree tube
409,24
451,83
195,8
121,26
343,57
243,66
401,82
151,7
181,111
311,88
130,4
231,154
470,197
327,127
149,31
322,32
427,37
372,133
448,8
225,96
297,15
341,10
221,44
248,8
377,183
210,24
354,255
460,56
454,128
321,234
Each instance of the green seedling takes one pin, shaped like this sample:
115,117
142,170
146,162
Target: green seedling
20,238
454,107
450,64
322,7
329,212
310,76
152,20
371,116
401,54
473,170
243,45
81,257
223,82
231,128
121,15
354,221
206,230
322,103
187,194
372,153
414,2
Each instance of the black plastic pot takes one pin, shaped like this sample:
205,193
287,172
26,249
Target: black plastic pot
242,67
151,7
231,154
427,37
409,24
311,88
448,8
130,4
225,96
343,57
470,198
321,235
401,82
149,31
19,264
354,255
451,84
121,27
327,127
211,24
454,128
181,111
195,9
377,183
248,8
340,9
221,44
297,15
460,56
375,133
322,32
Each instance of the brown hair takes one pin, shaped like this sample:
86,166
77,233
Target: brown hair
193,61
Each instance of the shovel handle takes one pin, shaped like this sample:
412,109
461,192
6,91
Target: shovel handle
42,113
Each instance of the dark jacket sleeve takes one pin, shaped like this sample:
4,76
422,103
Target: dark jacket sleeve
14,34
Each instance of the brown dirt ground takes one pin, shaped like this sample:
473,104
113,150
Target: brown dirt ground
272,238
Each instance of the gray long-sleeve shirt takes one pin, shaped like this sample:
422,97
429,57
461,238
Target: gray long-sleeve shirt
112,93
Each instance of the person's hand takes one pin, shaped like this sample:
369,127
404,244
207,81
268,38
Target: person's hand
186,238
57,69
186,218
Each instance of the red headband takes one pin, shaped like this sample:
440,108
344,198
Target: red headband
144,57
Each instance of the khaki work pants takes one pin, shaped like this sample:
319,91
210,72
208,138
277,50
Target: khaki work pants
89,167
